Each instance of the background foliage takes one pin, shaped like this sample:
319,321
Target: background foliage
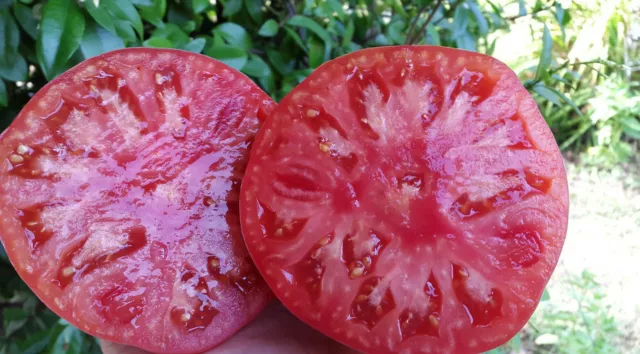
591,104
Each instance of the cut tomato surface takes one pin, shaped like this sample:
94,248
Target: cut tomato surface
119,193
407,200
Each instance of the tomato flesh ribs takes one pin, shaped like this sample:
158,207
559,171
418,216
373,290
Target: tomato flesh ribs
407,200
119,198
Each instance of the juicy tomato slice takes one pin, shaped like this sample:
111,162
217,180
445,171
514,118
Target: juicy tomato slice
407,200
119,198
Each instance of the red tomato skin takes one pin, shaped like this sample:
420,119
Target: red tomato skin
273,265
88,302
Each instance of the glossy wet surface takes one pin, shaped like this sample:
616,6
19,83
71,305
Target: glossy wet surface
440,185
120,184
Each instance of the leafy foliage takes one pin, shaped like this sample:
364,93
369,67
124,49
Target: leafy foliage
592,330
278,43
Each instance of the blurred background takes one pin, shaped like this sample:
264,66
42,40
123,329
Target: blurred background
579,59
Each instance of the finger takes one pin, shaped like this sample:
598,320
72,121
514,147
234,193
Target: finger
115,348
277,331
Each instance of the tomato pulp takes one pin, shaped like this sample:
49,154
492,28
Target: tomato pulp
407,200
119,187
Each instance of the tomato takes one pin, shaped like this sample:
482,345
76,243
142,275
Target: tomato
407,200
119,187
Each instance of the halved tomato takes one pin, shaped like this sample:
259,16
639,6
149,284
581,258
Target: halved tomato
407,200
119,186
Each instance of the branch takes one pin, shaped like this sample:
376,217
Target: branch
513,18
414,37
413,23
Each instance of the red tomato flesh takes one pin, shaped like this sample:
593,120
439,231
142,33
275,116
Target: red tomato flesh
119,187
407,200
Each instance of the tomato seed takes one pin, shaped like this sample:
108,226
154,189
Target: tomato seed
312,113
22,149
324,147
379,310
433,320
16,159
214,262
69,271
208,201
357,272
361,298
366,261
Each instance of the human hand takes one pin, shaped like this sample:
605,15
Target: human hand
275,331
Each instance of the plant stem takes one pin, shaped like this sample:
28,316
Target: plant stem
414,22
414,37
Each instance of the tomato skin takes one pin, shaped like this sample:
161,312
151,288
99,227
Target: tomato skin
118,187
399,235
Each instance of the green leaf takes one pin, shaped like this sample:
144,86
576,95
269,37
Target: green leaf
460,22
100,13
254,7
567,100
3,253
235,57
173,33
9,34
348,33
522,8
25,18
97,40
125,31
631,127
124,11
547,93
231,7
433,34
316,53
545,55
68,342
13,67
395,32
559,14
199,6
256,67
61,31
4,102
491,47
269,28
154,13
283,65
35,342
481,21
234,34
306,22
5,4
158,42
545,295
466,42
196,45
14,319
296,38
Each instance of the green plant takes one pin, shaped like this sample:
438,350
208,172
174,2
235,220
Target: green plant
560,330
278,43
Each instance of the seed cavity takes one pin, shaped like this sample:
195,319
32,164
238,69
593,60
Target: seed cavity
371,303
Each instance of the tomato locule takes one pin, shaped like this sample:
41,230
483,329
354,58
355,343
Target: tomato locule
407,200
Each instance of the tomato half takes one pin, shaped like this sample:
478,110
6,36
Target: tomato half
119,187
407,200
